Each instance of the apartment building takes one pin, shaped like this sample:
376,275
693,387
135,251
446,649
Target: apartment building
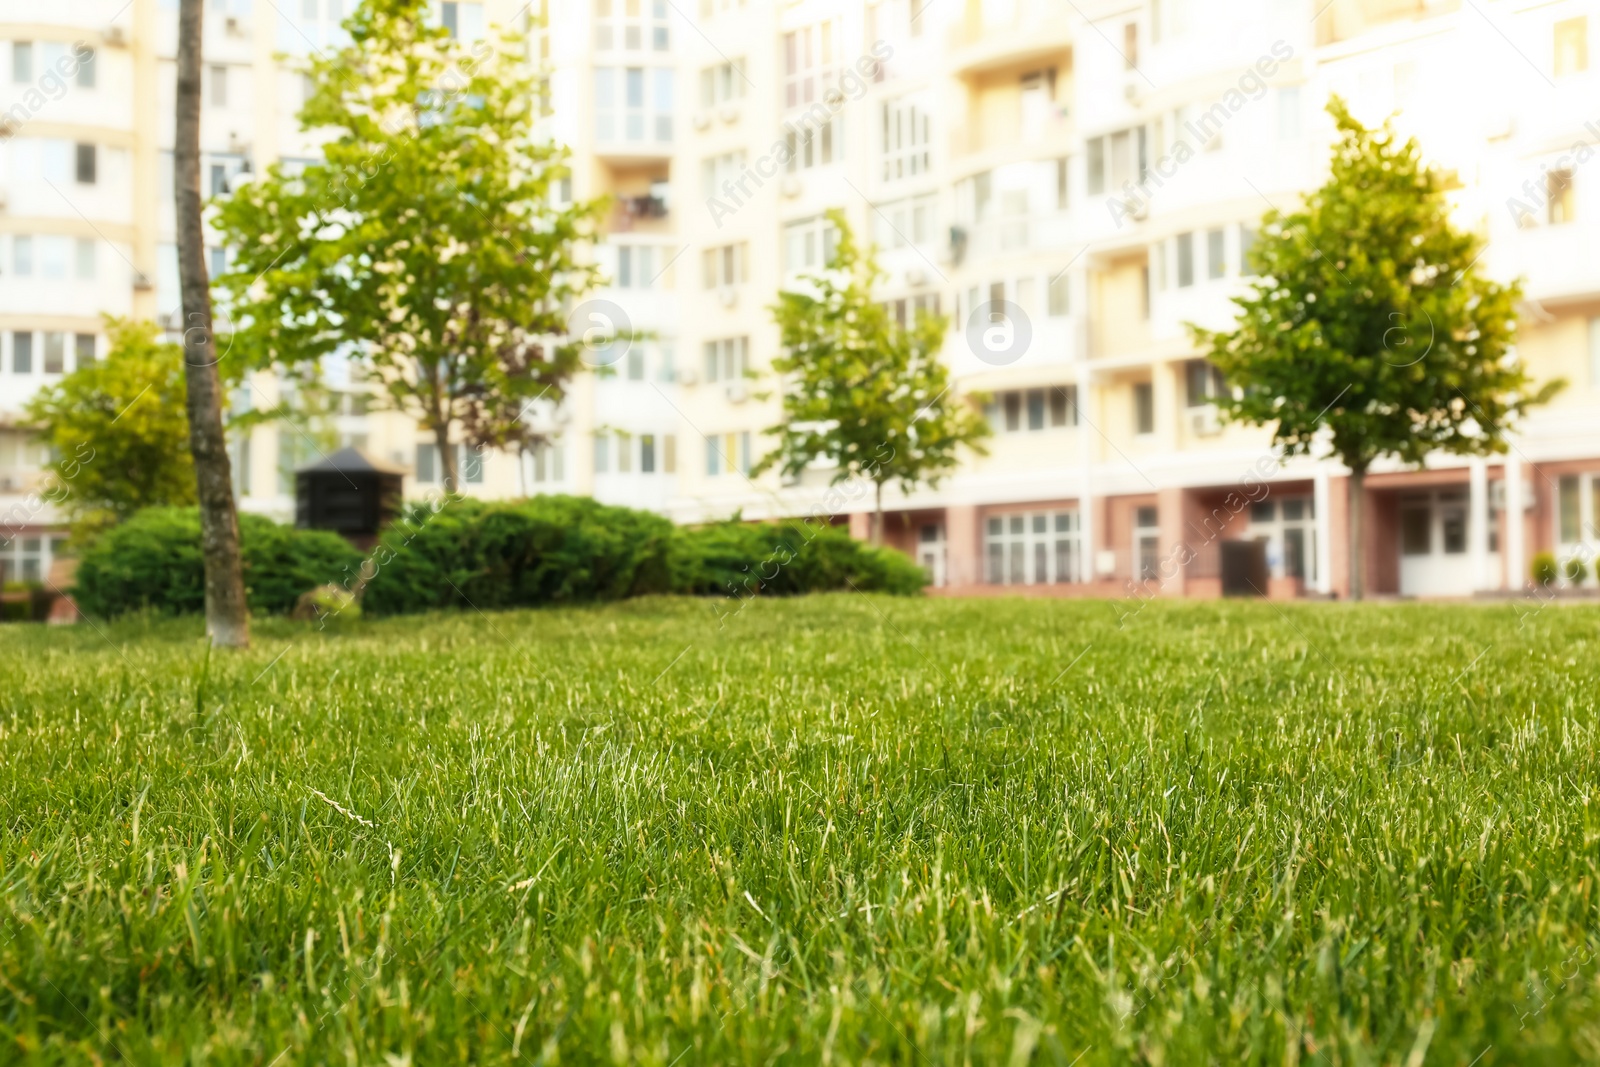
1069,183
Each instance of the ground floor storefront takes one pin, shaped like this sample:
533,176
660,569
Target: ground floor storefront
1454,532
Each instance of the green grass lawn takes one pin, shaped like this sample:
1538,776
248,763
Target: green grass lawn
839,829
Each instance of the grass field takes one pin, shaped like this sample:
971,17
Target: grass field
841,829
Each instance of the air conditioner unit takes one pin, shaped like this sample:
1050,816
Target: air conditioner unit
1204,422
115,36
728,295
833,98
738,392
237,145
235,26
729,113
142,282
701,120
791,186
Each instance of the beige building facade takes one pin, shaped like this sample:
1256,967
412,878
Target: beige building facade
1069,183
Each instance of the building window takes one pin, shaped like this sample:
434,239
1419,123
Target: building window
55,353
1289,113
1571,518
83,349
907,134
219,86
1216,263
1247,241
461,20
811,145
1033,548
22,255
22,352
1144,408
637,266
728,359
903,223
1130,45
1288,526
724,265
53,255
722,83
1017,410
633,104
809,58
84,258
1058,296
21,61
635,364
1558,190
647,453
720,173
713,458
1147,543
85,75
809,245
471,462
1185,260
602,453
85,164
1571,46
632,25
1202,383
427,462
624,452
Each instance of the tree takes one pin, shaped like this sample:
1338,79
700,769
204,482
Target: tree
227,615
426,243
1368,325
118,431
862,391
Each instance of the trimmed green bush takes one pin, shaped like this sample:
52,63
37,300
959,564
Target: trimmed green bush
548,550
1575,569
562,549
152,562
784,559
1544,569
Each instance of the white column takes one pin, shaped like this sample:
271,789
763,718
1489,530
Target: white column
1478,521
1516,562
1080,293
1321,503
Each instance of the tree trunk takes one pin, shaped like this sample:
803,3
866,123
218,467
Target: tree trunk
877,516
448,474
227,616
1358,493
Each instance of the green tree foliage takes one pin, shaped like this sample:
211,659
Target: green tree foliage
118,431
1368,325
862,391
426,243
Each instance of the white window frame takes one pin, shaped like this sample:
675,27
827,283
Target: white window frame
905,138
1033,548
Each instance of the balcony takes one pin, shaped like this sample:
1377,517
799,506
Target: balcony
991,34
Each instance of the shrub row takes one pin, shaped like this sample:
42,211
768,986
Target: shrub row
547,550
152,562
